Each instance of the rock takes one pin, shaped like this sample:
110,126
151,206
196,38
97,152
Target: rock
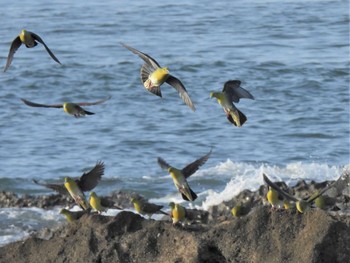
261,236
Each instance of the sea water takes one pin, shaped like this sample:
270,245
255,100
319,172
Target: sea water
293,56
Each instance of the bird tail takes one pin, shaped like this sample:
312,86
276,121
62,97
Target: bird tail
88,112
236,120
193,196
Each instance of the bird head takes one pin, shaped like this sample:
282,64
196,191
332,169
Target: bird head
93,194
68,180
165,70
172,205
23,32
63,211
213,94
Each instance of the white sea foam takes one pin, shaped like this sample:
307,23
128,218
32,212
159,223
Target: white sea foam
18,223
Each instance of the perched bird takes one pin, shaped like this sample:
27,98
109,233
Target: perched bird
272,198
153,76
180,176
86,182
29,39
145,208
286,204
95,203
232,92
300,204
76,193
177,213
73,215
71,108
236,211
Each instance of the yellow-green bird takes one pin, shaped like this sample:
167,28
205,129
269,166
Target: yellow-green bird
71,108
177,213
86,182
73,215
179,176
286,204
272,198
95,203
236,211
232,92
76,193
153,76
300,204
30,40
145,208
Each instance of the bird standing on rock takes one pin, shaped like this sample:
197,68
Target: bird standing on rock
153,76
30,40
179,176
145,208
232,92
73,215
95,203
177,212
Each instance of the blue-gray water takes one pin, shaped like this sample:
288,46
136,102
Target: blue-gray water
293,56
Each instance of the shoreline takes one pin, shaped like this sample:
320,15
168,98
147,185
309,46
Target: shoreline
260,234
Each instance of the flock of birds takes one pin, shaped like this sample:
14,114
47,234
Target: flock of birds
153,76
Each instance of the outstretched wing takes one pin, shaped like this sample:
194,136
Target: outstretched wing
93,103
88,181
180,88
33,104
235,92
148,59
56,187
193,167
37,38
16,43
279,190
163,164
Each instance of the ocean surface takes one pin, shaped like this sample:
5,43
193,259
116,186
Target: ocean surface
293,56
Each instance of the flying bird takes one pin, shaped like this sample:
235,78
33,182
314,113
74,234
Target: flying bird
30,40
232,92
71,108
76,193
86,182
179,176
300,204
153,76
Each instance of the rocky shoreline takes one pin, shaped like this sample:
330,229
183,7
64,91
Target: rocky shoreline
259,235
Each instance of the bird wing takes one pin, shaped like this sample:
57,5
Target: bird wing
33,104
56,187
148,59
16,43
89,180
235,92
37,38
319,193
279,190
193,167
176,83
93,103
163,164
